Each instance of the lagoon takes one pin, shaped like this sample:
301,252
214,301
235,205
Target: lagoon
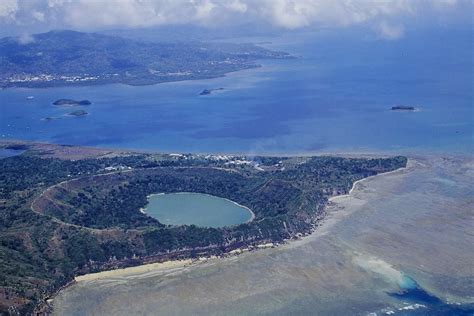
203,210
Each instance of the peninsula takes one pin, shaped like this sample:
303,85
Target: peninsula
70,58
68,211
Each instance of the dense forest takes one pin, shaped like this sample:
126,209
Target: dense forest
61,217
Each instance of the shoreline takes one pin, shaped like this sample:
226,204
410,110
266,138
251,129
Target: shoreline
136,270
410,164
151,82
182,263
108,150
328,220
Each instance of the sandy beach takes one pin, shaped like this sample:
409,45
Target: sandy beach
141,270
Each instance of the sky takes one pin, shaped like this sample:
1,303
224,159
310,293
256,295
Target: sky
389,20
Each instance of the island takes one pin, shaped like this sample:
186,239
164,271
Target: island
68,211
119,60
209,91
403,108
70,102
50,118
78,113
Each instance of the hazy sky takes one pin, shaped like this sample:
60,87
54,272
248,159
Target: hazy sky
388,19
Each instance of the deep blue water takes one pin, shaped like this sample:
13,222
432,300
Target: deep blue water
413,293
335,96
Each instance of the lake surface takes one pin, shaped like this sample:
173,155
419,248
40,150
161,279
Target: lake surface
336,96
196,209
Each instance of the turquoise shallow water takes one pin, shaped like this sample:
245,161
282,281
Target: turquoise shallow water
408,283
197,209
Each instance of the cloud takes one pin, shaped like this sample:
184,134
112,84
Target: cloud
38,15
8,9
390,32
236,6
204,9
387,17
25,39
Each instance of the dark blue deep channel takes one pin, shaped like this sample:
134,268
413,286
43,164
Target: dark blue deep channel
426,303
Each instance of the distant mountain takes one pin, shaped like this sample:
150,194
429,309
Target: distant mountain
75,58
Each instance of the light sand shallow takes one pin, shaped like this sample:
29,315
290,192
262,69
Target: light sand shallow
134,271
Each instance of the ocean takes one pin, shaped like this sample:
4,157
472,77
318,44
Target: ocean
336,95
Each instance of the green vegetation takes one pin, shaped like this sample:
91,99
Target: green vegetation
60,218
60,58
